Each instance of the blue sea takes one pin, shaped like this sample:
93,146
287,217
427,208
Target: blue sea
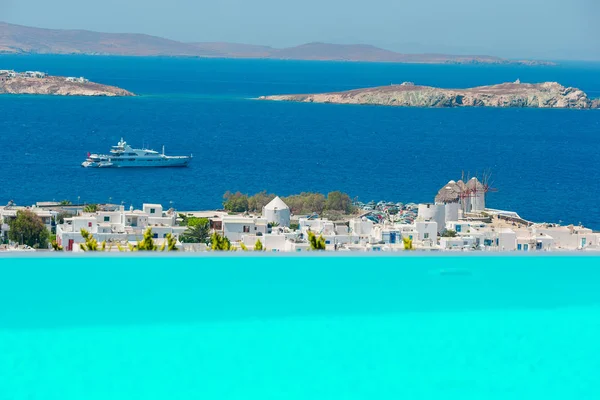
465,327
544,163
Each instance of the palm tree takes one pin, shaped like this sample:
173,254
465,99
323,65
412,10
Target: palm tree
90,208
196,233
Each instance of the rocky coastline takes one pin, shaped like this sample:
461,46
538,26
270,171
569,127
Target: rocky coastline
13,83
516,94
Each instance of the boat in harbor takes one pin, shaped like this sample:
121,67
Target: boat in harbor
123,155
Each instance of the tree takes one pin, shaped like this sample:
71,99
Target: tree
449,233
90,208
235,202
56,246
60,217
314,202
316,243
259,200
339,201
305,203
65,203
27,228
220,243
198,231
407,243
243,247
258,246
171,243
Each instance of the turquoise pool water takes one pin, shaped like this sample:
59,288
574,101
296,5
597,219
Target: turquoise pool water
300,328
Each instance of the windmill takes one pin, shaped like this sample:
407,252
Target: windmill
474,190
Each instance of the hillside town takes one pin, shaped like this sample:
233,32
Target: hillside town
457,220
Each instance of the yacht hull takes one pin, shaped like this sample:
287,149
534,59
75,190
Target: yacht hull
156,163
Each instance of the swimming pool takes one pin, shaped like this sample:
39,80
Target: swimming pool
300,327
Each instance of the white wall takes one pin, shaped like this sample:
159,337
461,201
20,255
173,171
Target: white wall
450,213
282,217
233,228
433,212
158,210
361,226
426,230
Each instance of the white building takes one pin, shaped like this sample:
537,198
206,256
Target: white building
277,211
235,227
119,226
318,226
458,243
568,237
361,226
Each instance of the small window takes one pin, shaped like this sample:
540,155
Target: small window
538,245
246,229
89,224
519,246
458,228
426,236
164,235
155,235
255,228
152,210
106,219
328,242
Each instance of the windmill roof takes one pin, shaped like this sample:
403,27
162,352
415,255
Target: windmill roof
449,193
474,184
276,204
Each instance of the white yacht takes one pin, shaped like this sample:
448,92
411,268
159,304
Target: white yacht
123,155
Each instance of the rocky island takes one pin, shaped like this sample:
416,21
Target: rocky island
516,94
33,82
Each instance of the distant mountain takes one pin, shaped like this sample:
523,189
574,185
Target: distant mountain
235,50
23,39
17,39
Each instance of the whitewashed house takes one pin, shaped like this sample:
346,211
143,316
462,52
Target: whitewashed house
235,227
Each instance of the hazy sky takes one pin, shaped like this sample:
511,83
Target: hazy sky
557,29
